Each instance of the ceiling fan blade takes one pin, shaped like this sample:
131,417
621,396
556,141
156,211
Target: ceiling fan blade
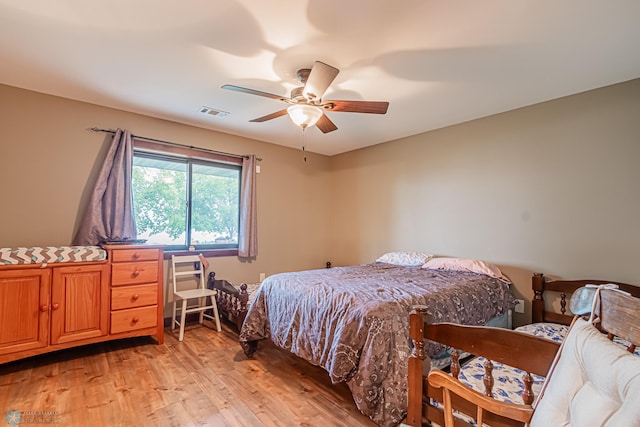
374,107
255,92
319,79
325,124
270,116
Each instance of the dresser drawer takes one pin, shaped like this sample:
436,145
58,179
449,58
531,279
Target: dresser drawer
134,255
133,273
134,318
124,297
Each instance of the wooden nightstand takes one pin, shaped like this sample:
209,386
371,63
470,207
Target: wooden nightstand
137,291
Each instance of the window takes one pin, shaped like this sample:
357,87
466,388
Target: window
183,201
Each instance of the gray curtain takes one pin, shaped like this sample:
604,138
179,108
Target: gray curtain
248,233
109,215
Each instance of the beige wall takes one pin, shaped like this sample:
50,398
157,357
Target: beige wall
48,161
553,188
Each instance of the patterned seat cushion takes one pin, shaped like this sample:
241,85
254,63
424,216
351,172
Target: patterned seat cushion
556,332
551,331
508,381
51,254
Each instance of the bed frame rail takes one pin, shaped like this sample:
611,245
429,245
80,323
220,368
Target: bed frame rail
232,301
540,284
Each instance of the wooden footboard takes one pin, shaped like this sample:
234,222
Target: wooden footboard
232,301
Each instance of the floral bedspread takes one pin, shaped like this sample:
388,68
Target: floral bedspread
353,322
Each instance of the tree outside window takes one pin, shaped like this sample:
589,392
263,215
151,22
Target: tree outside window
182,202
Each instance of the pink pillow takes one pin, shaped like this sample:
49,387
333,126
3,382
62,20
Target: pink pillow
465,264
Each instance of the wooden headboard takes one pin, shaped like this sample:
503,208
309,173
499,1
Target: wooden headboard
540,284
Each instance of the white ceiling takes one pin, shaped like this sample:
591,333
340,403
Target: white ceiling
437,62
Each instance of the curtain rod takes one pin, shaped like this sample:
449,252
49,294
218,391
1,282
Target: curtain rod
174,144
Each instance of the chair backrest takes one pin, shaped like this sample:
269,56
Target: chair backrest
545,290
592,381
190,267
508,347
620,316
595,381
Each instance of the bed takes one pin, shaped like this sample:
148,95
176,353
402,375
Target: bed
232,301
353,321
551,320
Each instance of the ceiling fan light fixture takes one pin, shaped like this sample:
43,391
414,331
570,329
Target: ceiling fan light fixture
306,105
304,115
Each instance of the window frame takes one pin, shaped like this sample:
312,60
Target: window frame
195,155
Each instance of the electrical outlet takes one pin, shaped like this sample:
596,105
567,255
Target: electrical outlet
519,306
262,276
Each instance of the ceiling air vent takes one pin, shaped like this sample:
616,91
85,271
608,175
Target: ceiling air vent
213,112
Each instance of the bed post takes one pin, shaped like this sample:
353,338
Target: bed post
416,359
242,309
537,305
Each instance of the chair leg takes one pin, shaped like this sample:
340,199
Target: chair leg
202,302
173,317
215,314
183,315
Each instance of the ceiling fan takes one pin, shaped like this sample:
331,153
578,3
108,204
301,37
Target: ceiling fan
306,105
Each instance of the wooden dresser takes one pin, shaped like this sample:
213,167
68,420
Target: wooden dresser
136,291
47,307
43,309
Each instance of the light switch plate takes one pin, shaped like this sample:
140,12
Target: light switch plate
519,306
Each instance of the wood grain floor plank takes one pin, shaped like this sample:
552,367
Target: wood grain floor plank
203,381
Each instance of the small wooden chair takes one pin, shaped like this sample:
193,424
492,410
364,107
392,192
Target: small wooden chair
191,267
589,379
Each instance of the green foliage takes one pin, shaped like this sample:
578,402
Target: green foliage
215,205
160,203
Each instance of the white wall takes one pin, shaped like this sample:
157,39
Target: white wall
49,162
553,187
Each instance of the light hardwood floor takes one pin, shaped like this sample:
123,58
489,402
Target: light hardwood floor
204,381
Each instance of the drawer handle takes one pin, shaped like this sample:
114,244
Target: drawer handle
55,306
135,297
135,255
44,308
135,320
136,272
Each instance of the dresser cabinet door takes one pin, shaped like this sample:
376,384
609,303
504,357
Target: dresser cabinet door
24,310
79,303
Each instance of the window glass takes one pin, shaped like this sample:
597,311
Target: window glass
215,204
182,202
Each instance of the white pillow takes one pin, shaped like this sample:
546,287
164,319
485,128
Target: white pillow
406,259
465,264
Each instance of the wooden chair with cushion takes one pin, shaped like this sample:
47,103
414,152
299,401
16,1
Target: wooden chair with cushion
590,380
